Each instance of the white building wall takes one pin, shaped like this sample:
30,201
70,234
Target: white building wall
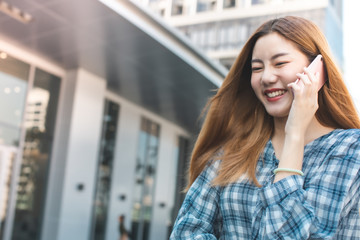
123,176
123,169
82,155
58,159
68,211
165,183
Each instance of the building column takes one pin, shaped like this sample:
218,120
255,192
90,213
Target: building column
165,183
123,178
168,9
72,172
191,6
219,5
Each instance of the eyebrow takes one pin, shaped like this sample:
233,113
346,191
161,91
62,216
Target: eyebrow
272,58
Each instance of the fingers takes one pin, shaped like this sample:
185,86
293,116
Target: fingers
304,78
306,82
313,78
305,102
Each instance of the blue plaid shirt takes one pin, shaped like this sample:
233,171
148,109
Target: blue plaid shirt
322,204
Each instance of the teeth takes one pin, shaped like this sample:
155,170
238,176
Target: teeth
275,94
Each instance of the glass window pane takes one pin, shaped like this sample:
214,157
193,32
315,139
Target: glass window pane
7,162
145,175
104,172
229,3
14,75
40,117
206,5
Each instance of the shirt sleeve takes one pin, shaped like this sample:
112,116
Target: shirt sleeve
199,212
324,207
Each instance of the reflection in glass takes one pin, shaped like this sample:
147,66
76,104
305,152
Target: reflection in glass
104,171
14,76
255,2
229,3
7,161
40,124
205,5
145,173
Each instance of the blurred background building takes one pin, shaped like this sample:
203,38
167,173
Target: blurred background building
100,103
221,27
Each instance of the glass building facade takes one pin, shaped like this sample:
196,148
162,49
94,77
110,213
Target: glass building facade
29,98
221,27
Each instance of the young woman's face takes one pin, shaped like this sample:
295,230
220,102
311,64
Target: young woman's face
275,63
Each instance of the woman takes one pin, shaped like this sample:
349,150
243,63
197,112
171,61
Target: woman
276,159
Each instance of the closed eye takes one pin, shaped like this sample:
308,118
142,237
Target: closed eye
256,69
279,64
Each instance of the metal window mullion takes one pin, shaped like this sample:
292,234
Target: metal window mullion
140,231
9,222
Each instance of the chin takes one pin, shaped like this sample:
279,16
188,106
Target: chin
279,111
278,114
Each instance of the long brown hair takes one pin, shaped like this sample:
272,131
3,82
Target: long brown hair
236,121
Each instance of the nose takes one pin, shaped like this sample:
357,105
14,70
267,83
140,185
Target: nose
268,76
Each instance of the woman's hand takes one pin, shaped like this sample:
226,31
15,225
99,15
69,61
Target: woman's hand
303,109
305,103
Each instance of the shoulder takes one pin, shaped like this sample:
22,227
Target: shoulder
338,138
202,186
344,160
213,165
335,158
341,133
345,141
207,173
339,147
344,148
210,171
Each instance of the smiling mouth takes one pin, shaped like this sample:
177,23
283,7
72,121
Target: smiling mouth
275,93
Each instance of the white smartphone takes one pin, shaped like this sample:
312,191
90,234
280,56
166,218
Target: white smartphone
317,66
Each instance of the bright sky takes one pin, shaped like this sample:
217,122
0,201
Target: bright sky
352,48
